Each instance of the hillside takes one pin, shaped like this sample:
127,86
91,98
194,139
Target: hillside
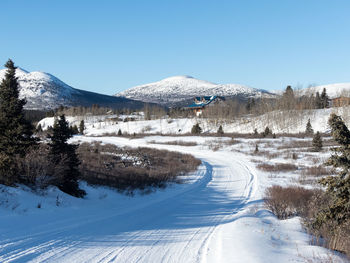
176,89
333,90
293,121
44,91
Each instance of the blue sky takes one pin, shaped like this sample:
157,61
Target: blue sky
109,46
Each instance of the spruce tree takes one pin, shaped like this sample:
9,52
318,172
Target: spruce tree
64,157
309,129
120,132
324,99
318,101
81,127
317,142
196,129
15,132
338,187
220,130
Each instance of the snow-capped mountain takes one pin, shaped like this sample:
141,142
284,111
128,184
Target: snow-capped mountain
179,88
45,91
333,90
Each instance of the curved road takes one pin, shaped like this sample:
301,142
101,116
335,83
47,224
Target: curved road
186,226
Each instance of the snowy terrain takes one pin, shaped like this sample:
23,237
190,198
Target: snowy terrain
279,122
45,91
180,88
333,90
216,216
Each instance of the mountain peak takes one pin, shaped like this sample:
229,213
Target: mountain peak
180,88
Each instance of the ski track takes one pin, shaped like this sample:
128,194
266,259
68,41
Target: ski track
176,229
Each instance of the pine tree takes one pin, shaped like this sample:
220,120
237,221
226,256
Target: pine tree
220,130
317,142
324,99
196,129
266,132
64,157
120,132
309,129
318,101
82,127
338,187
15,131
75,129
256,149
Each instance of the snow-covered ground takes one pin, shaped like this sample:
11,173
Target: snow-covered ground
217,215
278,121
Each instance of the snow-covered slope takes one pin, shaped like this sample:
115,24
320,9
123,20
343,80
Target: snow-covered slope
278,121
333,90
179,88
45,91
42,90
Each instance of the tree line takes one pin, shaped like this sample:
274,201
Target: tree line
17,142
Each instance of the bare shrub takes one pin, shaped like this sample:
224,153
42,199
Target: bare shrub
278,167
317,171
286,202
180,143
128,168
35,168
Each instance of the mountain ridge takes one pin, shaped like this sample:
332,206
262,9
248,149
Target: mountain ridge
175,89
44,91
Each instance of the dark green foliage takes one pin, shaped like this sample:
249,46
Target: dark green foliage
75,129
324,99
220,130
120,132
196,129
309,129
256,149
334,214
39,128
81,127
317,142
266,132
64,157
15,131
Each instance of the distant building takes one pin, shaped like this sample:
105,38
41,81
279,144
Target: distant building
200,103
340,102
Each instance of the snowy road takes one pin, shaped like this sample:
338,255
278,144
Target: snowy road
209,220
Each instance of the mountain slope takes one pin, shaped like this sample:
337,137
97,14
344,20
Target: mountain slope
45,91
333,90
179,88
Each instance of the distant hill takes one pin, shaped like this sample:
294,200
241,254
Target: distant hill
174,90
333,90
44,91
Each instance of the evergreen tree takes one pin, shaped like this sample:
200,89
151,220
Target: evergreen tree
64,157
82,127
120,132
256,149
267,132
196,129
338,187
324,99
220,130
317,142
309,129
318,101
75,129
39,128
15,131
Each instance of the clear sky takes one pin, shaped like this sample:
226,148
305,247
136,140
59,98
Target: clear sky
109,46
